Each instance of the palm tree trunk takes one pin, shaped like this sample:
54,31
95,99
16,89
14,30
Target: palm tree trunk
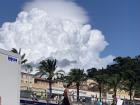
133,94
114,97
130,92
50,88
77,85
115,90
100,90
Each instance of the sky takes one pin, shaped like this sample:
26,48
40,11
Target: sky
119,20
117,23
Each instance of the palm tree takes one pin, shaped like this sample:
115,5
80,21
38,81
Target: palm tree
129,68
100,79
114,77
48,68
99,76
113,82
77,76
130,80
23,60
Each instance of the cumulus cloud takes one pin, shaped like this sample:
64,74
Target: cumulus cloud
41,35
64,63
63,9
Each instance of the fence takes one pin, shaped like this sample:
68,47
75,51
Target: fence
40,97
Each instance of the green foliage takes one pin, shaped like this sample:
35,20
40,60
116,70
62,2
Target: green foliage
23,60
47,68
124,73
76,76
99,76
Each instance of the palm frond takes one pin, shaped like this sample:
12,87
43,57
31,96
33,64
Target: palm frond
24,61
14,50
23,56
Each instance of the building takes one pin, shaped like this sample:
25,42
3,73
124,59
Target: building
29,81
37,83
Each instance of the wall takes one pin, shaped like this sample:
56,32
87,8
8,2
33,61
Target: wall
9,78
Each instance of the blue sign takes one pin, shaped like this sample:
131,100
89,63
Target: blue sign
12,59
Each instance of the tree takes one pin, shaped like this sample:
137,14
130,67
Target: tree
114,77
23,60
130,80
101,80
137,72
99,76
91,72
77,76
48,68
113,82
129,68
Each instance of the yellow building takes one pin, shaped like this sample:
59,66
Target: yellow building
29,81
36,83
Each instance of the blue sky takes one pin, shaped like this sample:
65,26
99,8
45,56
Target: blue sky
119,20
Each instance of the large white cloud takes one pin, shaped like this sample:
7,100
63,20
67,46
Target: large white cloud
64,9
41,36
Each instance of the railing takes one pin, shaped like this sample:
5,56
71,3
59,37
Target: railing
29,102
40,97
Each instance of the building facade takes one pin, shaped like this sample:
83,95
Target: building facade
31,82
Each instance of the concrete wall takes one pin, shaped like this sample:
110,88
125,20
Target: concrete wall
9,78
